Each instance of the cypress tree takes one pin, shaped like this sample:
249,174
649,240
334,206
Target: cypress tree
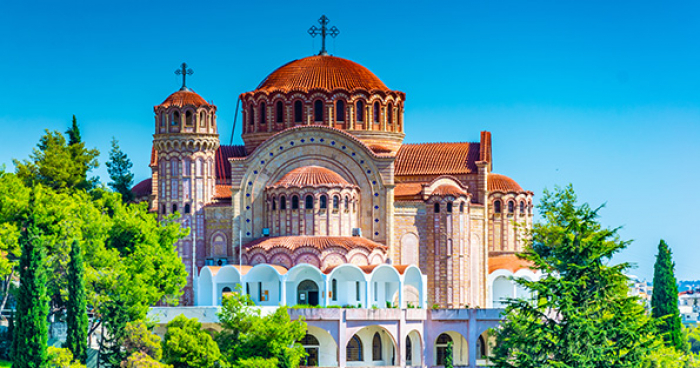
76,307
31,333
74,133
664,300
119,167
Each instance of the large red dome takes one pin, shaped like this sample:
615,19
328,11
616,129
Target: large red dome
321,71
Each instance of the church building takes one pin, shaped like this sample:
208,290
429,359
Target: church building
324,205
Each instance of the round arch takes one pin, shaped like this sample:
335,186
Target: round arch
384,347
351,284
460,348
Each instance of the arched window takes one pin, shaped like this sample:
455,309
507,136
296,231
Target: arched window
511,207
274,204
176,118
398,117
162,209
340,110
360,111
347,204
162,120
497,207
334,290
279,116
376,112
323,202
202,120
251,115
263,114
461,207
480,348
298,111
309,205
441,347
436,207
174,208
353,351
318,110
529,208
295,203
409,351
376,347
336,203
522,207
390,114
283,203
187,208
188,118
449,207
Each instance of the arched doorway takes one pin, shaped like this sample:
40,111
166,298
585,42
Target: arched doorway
307,293
441,348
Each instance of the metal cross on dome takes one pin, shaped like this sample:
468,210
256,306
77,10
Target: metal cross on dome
185,71
324,31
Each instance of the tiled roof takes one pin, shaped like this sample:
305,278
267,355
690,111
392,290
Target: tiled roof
222,192
321,71
318,242
245,269
380,149
184,98
437,158
223,167
142,189
448,190
509,262
312,176
502,183
369,268
406,190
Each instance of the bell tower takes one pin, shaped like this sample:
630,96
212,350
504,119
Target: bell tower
184,178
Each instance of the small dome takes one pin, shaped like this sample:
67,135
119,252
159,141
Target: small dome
312,176
502,183
448,190
184,98
321,71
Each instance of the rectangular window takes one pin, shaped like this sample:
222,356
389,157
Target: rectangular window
200,190
334,288
198,167
188,167
186,189
357,291
173,166
260,291
173,189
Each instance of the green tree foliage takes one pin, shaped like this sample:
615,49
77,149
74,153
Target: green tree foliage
693,337
141,360
119,168
581,315
246,334
73,133
186,345
30,335
138,339
664,300
58,165
115,319
76,307
62,358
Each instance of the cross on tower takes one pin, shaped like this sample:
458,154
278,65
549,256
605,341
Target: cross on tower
185,71
323,31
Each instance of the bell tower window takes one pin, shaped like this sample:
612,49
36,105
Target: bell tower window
360,107
376,112
323,202
188,118
309,205
390,114
497,207
295,203
283,203
251,115
176,118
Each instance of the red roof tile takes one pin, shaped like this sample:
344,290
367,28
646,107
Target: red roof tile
222,192
223,167
312,176
502,183
321,71
509,262
184,98
437,158
408,190
448,190
142,189
318,242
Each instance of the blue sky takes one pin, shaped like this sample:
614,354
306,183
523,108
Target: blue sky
600,94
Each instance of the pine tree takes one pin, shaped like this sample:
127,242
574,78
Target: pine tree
74,133
119,167
664,300
76,307
581,315
31,333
